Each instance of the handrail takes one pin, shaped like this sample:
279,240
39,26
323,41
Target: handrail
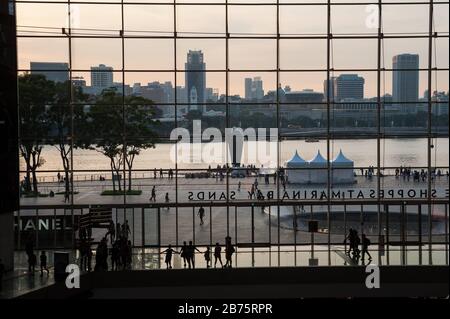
246,202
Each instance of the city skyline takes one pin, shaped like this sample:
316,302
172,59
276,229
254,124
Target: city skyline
158,54
346,86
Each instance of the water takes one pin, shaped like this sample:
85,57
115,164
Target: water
393,153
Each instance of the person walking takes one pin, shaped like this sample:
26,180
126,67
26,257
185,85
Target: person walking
43,260
167,200
201,214
229,250
217,255
66,197
350,238
153,196
365,247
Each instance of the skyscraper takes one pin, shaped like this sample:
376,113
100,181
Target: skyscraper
254,88
329,85
195,81
101,77
405,80
53,71
248,88
349,86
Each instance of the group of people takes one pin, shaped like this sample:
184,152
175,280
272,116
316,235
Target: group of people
153,196
32,259
121,250
369,172
187,253
354,242
255,192
170,174
407,173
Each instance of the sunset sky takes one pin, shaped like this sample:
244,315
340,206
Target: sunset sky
158,54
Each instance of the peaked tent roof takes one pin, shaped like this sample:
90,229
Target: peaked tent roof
340,158
296,159
318,159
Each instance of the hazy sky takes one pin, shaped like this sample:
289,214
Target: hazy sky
158,54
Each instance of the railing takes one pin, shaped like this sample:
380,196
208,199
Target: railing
251,224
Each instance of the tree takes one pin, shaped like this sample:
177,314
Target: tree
62,116
139,113
35,93
122,132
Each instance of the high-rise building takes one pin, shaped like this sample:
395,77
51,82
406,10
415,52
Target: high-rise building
169,91
330,85
248,88
195,78
405,81
348,86
79,82
53,71
254,88
101,77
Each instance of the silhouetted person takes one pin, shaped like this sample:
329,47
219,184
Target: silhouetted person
350,238
101,256
111,232
43,260
118,231
365,247
115,256
126,229
84,247
201,214
183,252
153,196
66,197
169,252
191,254
32,260
217,255
207,255
229,250
356,242
167,200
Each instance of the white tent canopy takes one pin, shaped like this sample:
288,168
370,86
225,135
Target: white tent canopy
299,171
341,160
318,170
296,161
342,170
